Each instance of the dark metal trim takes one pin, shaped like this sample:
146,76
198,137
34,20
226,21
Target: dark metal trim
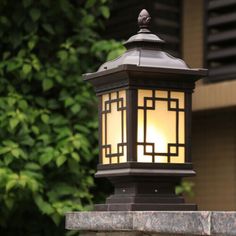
100,128
127,77
146,207
167,72
188,125
142,165
144,172
131,126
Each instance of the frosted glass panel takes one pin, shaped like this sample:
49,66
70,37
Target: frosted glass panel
114,146
161,126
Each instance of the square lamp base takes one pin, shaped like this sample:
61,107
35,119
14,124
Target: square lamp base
145,193
146,207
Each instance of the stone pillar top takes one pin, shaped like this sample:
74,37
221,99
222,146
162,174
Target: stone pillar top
154,222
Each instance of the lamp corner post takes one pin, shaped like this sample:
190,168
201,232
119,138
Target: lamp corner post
145,124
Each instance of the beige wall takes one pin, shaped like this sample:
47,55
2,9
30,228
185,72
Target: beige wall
206,96
214,159
192,44
214,123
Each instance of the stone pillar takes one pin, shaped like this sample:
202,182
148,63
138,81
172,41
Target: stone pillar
152,223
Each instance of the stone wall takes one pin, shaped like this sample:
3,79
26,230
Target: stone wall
152,223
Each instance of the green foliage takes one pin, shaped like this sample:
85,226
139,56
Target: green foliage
48,123
186,187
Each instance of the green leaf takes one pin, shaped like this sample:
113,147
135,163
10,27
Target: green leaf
63,55
47,84
48,28
15,152
45,158
44,207
35,14
6,55
178,190
69,101
75,156
10,143
73,166
14,122
23,104
115,53
8,159
77,143
32,174
45,118
4,150
27,3
26,69
56,218
35,129
27,140
13,65
88,20
82,129
32,166
33,185
45,138
75,108
11,184
9,201
105,11
60,160
31,44
11,101
90,3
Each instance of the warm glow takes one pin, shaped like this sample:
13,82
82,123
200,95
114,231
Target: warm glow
113,127
160,126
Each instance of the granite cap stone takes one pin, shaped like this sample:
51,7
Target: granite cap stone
153,222
223,223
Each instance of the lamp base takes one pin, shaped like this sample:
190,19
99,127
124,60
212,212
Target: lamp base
145,193
145,207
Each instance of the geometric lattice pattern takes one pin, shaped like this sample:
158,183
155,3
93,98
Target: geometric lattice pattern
161,126
114,143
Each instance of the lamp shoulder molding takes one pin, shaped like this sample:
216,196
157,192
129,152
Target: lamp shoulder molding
144,52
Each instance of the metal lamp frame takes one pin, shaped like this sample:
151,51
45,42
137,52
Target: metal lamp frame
145,186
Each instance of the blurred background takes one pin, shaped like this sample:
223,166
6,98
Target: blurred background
48,115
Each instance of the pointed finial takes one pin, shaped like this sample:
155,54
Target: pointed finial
144,19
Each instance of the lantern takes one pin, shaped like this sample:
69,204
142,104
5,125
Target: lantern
145,124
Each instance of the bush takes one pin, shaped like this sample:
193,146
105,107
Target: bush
48,123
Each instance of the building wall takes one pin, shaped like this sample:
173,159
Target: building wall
214,158
211,95
214,123
192,38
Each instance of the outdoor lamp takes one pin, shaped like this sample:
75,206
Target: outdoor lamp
144,124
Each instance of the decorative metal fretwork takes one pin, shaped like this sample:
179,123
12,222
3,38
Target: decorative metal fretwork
114,144
159,113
